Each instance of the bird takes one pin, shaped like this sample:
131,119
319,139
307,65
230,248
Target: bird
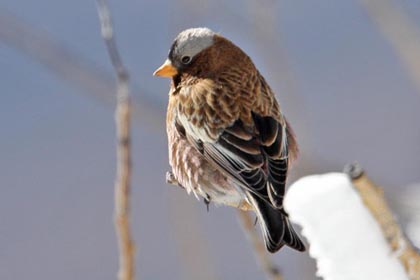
228,139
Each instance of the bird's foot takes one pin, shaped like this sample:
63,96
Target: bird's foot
207,202
170,179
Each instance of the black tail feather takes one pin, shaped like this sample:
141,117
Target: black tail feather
275,226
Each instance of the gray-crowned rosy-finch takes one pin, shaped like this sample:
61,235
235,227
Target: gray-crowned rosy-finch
228,140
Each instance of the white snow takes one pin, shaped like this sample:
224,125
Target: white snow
409,202
344,238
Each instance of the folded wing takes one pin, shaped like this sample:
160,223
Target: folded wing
255,156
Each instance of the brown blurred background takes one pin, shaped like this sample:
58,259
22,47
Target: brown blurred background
346,73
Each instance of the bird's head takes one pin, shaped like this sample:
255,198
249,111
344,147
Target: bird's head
202,53
185,50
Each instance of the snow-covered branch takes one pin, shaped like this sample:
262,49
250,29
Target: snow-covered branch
351,231
373,198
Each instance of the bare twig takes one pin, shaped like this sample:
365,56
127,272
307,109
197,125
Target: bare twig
123,177
373,197
401,33
269,268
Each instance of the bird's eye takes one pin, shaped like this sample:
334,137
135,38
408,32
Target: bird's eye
186,59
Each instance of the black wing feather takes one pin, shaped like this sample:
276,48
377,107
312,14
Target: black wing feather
253,156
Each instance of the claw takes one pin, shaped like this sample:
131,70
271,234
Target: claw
207,202
170,179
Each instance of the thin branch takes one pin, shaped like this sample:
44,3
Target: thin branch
401,33
270,269
123,177
374,199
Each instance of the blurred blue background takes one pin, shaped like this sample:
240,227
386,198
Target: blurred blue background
340,81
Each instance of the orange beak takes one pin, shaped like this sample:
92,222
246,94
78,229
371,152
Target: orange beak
166,70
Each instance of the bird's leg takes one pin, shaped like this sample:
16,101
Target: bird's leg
207,202
170,179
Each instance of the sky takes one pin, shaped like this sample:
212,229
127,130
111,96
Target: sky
338,80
